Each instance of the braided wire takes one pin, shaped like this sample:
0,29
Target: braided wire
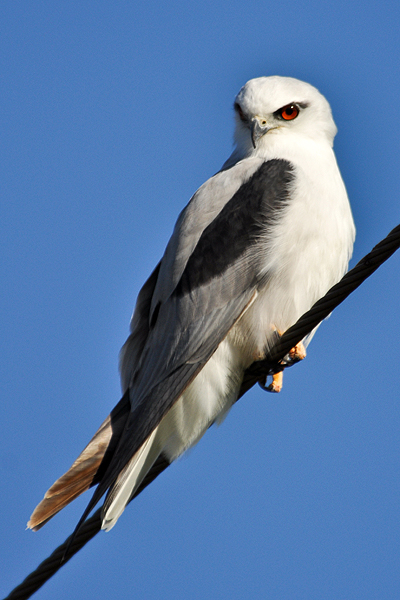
322,308
307,322
56,560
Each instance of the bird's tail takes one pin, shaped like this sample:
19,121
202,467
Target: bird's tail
129,480
88,468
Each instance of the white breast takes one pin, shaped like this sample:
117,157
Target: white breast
309,248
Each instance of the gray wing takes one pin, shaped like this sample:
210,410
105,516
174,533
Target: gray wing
195,296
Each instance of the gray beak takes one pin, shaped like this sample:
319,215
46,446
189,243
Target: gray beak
257,130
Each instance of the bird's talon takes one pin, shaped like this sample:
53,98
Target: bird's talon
276,384
298,352
277,381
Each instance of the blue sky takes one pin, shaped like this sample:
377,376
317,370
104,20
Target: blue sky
112,114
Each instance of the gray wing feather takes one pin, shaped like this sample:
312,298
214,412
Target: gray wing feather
206,279
202,209
140,327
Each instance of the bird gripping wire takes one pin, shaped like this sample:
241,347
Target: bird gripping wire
307,322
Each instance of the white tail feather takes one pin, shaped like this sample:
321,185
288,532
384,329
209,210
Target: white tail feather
129,480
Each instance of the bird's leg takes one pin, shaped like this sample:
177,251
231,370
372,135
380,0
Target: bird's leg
298,352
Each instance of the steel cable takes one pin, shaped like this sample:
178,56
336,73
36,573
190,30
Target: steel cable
258,370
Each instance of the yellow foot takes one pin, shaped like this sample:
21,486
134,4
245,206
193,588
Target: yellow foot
298,352
276,385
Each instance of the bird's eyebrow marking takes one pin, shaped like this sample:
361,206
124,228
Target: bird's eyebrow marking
240,112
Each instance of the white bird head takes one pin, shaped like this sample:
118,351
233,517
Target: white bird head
280,106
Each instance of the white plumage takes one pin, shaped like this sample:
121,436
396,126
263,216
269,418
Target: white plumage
256,246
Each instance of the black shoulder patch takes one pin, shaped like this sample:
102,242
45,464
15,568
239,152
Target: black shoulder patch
251,209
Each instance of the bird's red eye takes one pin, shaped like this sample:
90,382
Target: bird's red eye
289,112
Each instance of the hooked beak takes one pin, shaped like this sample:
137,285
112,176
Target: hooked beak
258,128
